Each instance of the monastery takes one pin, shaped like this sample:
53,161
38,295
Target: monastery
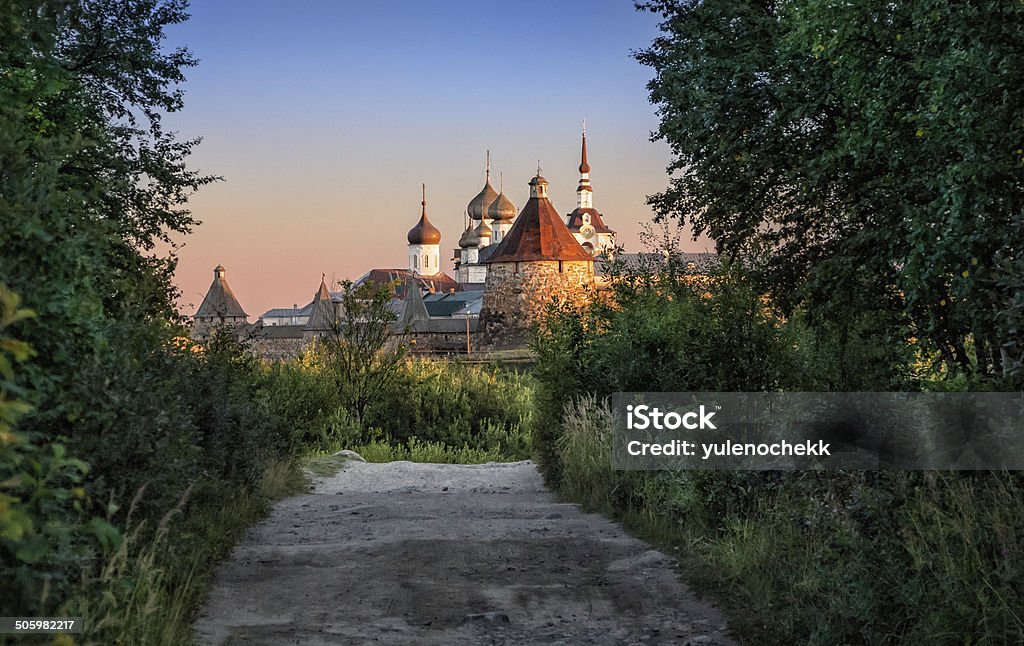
508,268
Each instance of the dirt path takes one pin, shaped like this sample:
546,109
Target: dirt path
406,553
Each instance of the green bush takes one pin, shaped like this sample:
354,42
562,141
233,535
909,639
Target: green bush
46,535
456,404
487,411
665,332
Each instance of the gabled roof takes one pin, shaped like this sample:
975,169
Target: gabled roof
280,312
220,301
538,234
448,305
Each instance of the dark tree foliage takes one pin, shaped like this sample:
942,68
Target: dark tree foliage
872,151
115,416
89,182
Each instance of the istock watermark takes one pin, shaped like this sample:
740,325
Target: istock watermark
790,431
643,417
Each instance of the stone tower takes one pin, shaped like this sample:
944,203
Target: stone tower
219,306
536,261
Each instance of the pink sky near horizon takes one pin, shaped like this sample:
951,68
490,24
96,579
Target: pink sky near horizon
323,151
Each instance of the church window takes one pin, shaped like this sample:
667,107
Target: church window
415,262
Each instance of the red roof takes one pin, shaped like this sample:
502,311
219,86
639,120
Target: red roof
437,283
596,221
538,234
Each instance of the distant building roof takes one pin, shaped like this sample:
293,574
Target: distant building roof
321,316
220,301
414,309
443,308
487,252
278,331
538,233
596,220
457,304
434,283
285,312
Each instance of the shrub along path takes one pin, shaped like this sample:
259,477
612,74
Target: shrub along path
404,553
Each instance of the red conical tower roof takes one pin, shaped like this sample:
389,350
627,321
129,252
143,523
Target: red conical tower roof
538,233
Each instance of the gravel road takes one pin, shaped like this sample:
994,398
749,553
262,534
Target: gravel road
405,553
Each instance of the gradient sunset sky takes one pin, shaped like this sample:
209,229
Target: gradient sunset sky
324,117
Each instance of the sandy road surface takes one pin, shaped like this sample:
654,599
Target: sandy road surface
406,553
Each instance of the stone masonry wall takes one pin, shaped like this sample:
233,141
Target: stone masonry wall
513,300
278,349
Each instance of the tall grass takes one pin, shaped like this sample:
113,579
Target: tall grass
152,583
585,448
479,412
843,557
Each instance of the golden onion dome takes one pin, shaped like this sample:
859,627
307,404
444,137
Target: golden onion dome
502,210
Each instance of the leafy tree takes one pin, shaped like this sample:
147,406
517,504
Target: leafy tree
872,151
360,346
90,182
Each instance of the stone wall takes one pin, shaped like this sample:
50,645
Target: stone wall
278,349
518,294
441,343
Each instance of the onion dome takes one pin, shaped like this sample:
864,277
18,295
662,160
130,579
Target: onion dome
424,232
502,210
483,230
469,238
480,204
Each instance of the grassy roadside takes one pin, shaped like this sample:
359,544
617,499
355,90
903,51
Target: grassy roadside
152,585
822,558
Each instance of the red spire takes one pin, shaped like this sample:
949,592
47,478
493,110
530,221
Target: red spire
584,166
